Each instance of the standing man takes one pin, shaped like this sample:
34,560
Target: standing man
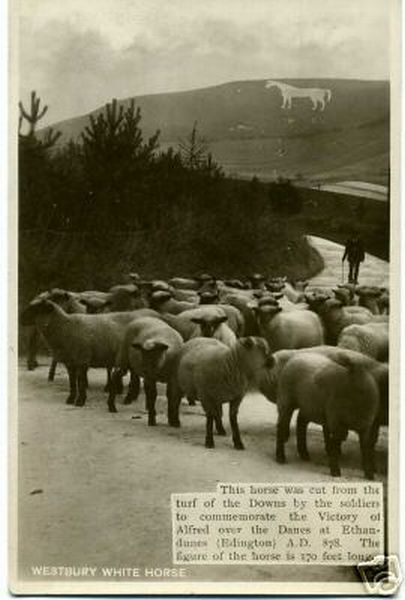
354,252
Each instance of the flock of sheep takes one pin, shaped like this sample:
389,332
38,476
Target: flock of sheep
321,352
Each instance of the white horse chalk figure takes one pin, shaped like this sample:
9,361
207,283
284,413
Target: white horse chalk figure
319,97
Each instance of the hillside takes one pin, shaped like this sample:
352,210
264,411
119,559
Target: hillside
250,134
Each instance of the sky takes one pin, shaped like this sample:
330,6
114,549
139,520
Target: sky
78,54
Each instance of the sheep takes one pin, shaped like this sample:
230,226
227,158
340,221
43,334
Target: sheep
81,341
205,321
345,295
368,297
243,303
383,301
182,283
293,329
125,297
336,317
257,281
163,301
337,396
70,304
187,295
370,339
216,374
149,349
268,380
195,283
235,283
295,292
209,297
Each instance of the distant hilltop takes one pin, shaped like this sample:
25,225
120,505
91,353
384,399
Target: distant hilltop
270,127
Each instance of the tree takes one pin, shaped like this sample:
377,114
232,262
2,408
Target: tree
285,198
194,150
116,163
36,194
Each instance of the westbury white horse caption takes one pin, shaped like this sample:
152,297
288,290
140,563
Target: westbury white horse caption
319,97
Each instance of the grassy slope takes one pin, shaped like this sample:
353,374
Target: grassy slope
247,130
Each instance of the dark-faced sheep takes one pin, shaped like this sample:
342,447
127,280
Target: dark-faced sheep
81,341
216,374
293,329
371,339
340,397
148,350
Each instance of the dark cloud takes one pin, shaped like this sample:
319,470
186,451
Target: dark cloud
77,63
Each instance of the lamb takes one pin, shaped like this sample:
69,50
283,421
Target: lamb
293,329
337,396
149,350
81,341
215,374
370,339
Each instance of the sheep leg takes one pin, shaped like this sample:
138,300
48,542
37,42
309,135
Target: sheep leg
52,369
218,422
367,454
333,450
283,432
173,402
32,344
72,372
151,395
301,432
209,434
115,376
133,388
233,419
82,385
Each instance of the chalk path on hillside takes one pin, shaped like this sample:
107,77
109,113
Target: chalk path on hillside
373,271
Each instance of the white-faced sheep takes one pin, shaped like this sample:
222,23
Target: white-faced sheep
340,397
216,374
148,350
371,339
293,329
80,341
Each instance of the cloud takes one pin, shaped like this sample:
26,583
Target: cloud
78,55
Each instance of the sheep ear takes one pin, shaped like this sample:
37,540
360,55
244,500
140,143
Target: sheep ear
162,346
247,342
196,320
220,320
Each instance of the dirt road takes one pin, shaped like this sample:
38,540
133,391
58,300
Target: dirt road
373,271
94,488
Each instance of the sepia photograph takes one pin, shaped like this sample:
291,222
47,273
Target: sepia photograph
204,238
